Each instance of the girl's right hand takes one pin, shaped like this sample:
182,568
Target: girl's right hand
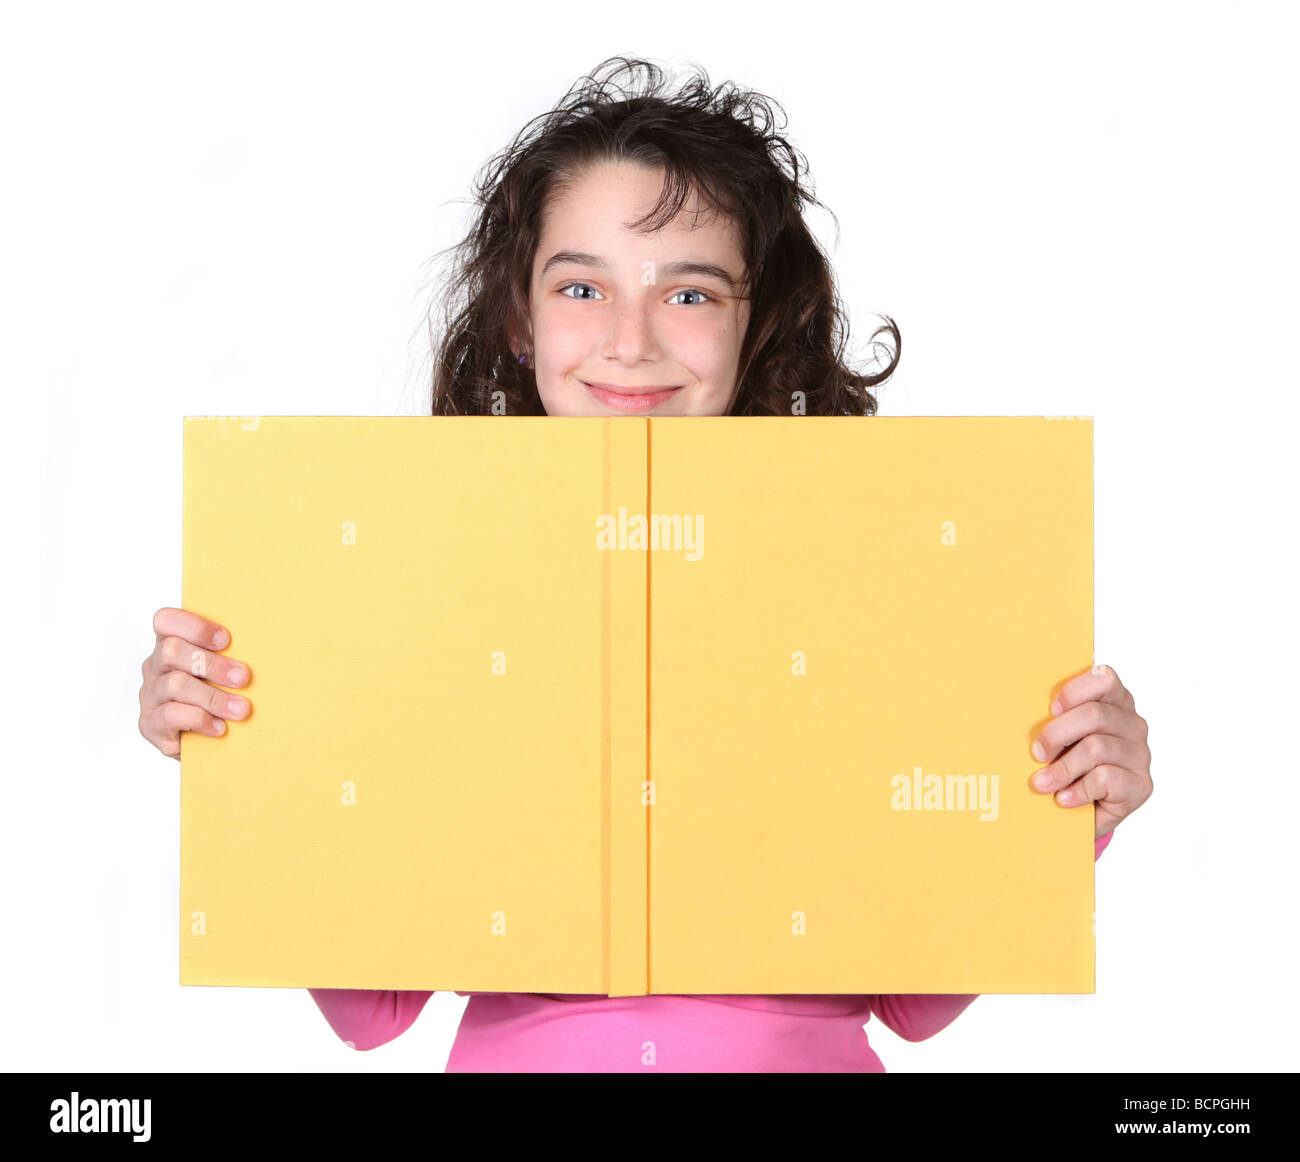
181,676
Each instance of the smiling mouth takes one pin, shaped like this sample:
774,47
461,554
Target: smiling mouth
630,398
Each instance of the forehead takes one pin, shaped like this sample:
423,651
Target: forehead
597,208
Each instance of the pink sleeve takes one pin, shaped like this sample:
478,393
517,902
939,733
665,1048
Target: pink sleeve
914,1017
365,1018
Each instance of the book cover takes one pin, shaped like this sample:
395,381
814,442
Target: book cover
638,705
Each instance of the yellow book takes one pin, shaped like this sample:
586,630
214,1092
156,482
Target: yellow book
638,705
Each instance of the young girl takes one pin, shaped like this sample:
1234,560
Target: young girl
645,253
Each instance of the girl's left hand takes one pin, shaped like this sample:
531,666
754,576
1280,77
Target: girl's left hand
1106,759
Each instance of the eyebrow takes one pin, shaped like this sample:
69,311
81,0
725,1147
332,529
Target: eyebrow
671,269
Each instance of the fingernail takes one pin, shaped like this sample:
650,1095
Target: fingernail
236,675
1037,750
1042,780
1056,708
219,727
237,706
222,639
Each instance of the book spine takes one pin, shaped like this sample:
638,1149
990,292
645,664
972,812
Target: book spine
624,612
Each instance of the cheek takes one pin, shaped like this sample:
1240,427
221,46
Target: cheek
564,337
708,348
706,345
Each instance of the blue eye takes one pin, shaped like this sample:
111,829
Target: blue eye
571,285
693,291
595,294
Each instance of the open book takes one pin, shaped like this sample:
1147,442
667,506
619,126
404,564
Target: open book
636,705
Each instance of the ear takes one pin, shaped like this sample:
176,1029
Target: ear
518,341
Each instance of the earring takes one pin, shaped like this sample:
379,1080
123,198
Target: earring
523,357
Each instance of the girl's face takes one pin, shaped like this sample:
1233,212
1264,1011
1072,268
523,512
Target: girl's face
635,324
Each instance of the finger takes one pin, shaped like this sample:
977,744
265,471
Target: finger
176,653
1116,788
178,686
1100,684
190,626
1089,718
1088,753
162,725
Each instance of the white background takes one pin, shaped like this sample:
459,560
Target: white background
228,209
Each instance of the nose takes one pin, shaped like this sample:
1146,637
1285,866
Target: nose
631,339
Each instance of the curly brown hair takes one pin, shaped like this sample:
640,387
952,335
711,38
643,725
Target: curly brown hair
723,144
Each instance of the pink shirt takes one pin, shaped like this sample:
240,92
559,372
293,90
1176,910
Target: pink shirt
541,1033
